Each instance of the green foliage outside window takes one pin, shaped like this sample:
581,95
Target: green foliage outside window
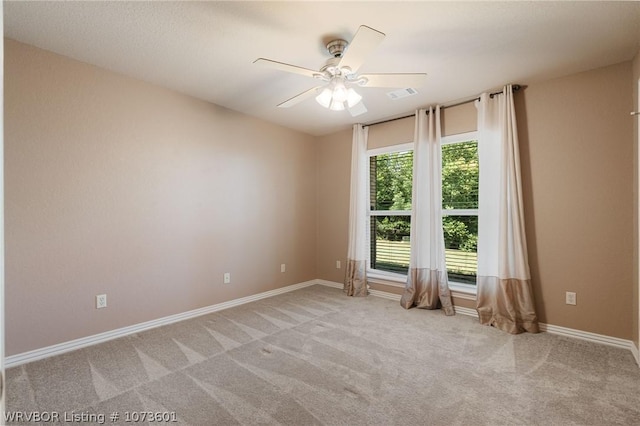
460,169
391,183
392,179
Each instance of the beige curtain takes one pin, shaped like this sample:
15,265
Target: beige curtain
355,283
427,282
505,297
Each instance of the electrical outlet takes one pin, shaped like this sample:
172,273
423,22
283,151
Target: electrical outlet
101,301
338,264
570,298
227,278
283,267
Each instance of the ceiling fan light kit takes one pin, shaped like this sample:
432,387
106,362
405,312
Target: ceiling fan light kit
340,72
336,94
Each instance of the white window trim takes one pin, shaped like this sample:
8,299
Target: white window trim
459,212
388,278
392,148
389,212
458,138
460,290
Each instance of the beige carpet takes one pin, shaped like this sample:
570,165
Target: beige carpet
315,356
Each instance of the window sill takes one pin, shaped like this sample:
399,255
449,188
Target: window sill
463,291
458,290
389,278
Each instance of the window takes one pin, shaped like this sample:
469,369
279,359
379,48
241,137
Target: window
390,182
390,186
460,166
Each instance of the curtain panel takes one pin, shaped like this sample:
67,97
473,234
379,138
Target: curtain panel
427,282
504,293
355,283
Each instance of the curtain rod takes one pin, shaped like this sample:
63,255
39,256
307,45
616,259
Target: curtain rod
516,87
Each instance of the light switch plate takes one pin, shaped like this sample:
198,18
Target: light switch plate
101,301
570,298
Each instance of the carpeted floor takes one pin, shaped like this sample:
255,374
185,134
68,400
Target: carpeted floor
315,356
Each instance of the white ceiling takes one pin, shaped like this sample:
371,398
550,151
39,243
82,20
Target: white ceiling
206,49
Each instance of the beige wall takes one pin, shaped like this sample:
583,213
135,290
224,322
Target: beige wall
457,119
576,152
334,168
577,170
120,187
391,133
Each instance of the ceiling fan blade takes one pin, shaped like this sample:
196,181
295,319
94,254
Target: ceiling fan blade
363,43
298,98
394,80
357,109
288,67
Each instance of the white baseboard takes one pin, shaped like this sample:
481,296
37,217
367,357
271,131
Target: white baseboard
470,312
329,283
376,293
636,353
385,295
548,328
34,355
585,335
60,348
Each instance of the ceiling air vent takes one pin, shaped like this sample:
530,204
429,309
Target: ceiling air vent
402,93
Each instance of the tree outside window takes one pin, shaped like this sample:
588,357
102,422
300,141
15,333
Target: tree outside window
391,179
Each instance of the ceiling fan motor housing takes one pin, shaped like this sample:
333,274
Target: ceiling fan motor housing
337,47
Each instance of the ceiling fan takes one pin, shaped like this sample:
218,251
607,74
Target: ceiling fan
339,74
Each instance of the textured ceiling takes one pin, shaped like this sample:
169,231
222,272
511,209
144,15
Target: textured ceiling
206,49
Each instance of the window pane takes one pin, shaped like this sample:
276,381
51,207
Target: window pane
460,175
461,247
391,180
390,247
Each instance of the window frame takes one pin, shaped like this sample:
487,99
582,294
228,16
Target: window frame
379,273
450,140
461,290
